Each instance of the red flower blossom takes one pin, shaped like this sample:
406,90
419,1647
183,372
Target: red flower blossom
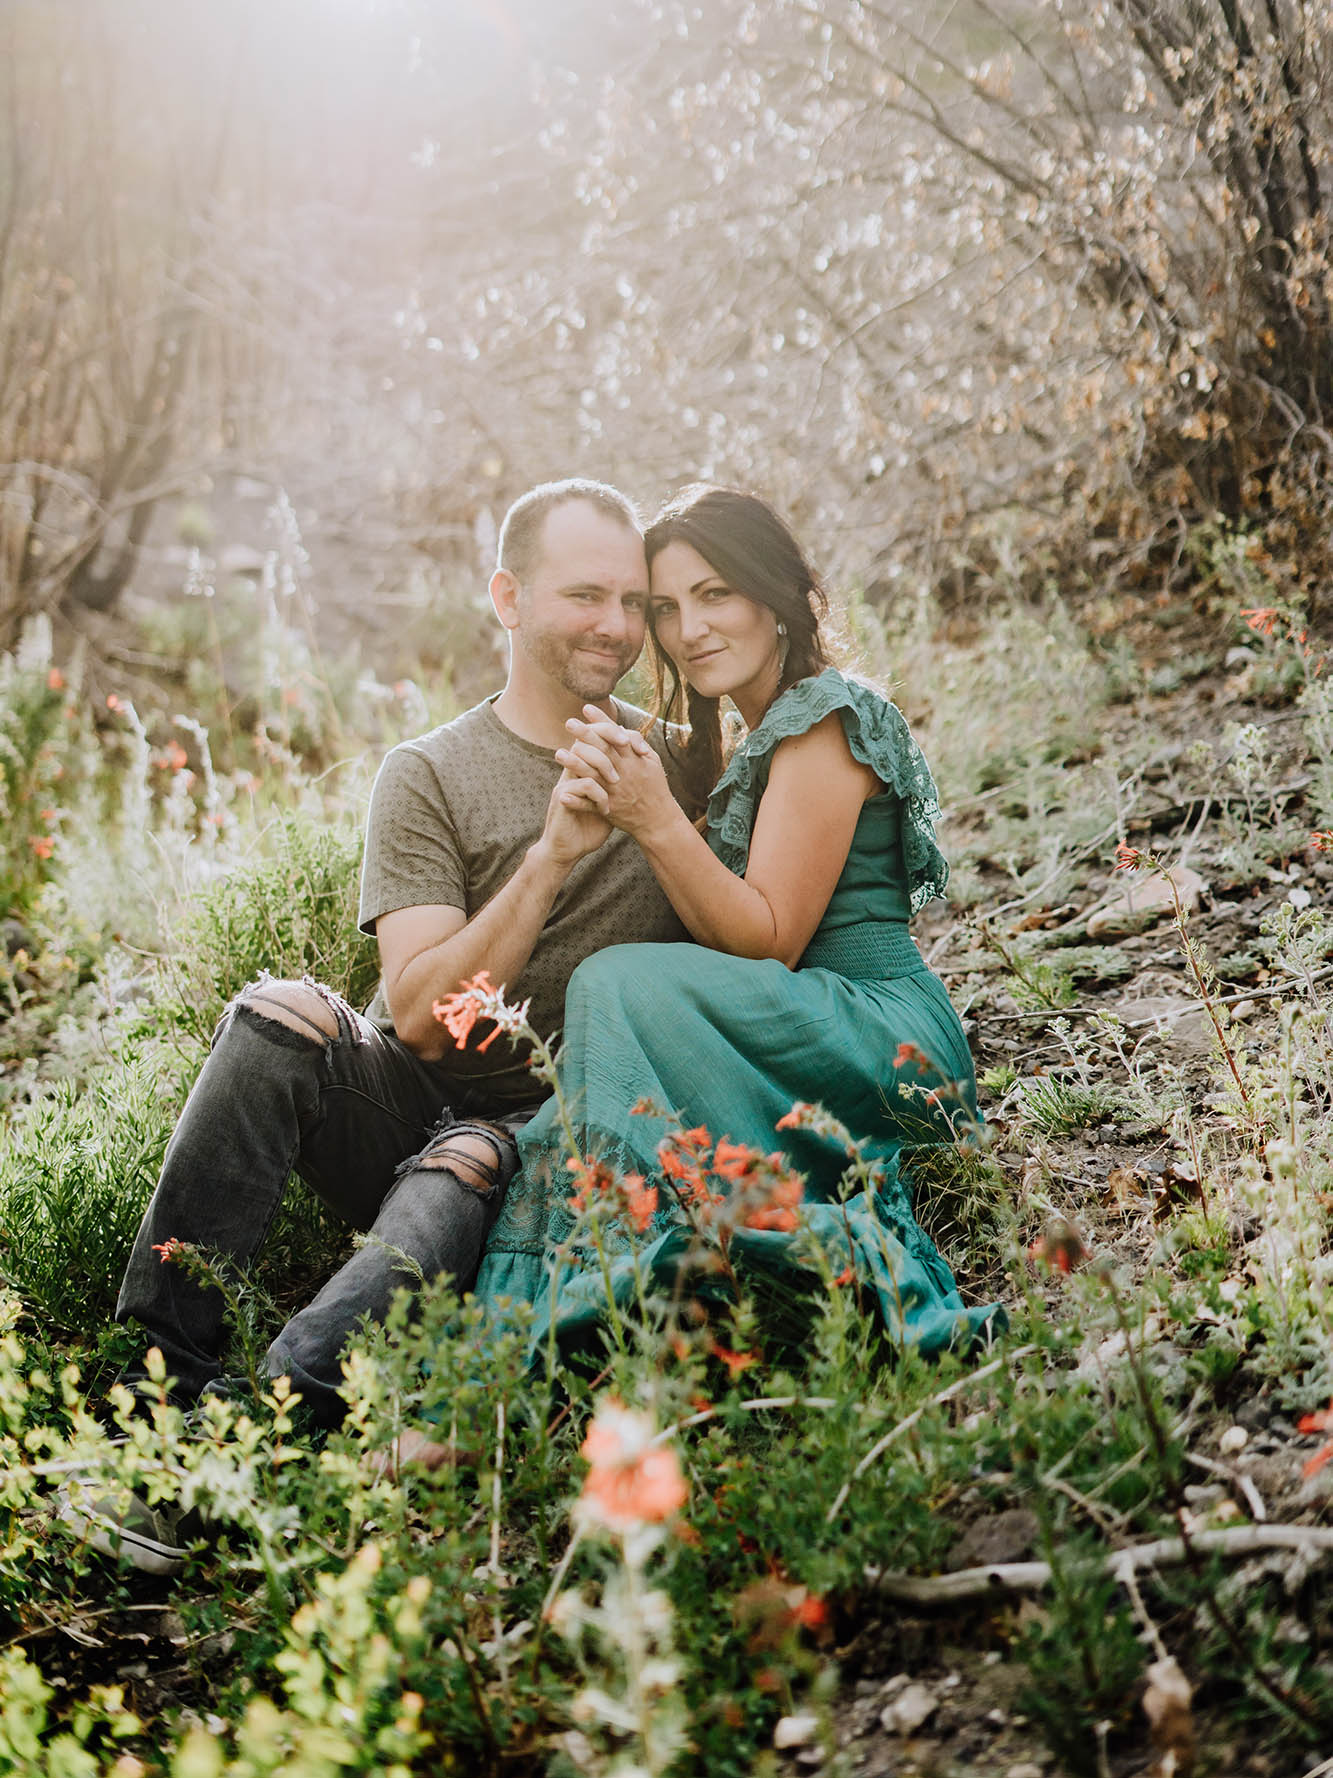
1317,1422
1061,1246
42,844
905,1053
846,1275
1128,857
55,680
1322,840
112,701
168,1250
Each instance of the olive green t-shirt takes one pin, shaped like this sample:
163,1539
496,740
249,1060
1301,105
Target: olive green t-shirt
451,815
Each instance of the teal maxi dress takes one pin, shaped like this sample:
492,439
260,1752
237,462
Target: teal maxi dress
732,1043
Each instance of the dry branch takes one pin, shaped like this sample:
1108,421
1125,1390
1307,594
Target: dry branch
1165,1552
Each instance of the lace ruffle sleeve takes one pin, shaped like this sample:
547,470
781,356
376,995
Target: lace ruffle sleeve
878,736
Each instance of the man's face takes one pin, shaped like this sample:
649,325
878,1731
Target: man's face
581,611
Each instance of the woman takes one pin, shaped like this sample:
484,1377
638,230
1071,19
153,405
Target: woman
803,983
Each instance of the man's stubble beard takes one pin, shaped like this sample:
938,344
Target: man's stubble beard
558,660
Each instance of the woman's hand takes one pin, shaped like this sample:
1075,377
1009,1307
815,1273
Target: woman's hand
615,773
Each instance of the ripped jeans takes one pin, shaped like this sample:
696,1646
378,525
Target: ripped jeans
357,1116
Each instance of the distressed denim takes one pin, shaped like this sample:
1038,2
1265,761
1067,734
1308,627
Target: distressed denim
354,1116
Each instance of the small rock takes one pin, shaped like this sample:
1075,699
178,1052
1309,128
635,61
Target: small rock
1243,1009
913,1706
810,1756
1299,898
1149,896
1024,1769
1234,1439
999,1537
796,1731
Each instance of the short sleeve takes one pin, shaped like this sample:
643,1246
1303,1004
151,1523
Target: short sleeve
412,856
879,737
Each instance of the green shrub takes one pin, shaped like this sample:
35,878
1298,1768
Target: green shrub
291,911
78,1169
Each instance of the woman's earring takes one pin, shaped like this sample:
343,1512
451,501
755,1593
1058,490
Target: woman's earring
783,646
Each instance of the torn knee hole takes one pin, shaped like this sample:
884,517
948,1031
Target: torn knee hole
294,1006
477,1162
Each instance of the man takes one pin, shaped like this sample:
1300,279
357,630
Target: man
472,863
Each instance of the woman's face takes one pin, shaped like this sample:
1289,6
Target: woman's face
723,644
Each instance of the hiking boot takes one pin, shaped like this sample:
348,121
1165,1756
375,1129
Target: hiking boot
122,1525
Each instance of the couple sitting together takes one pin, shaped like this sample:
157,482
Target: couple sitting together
719,937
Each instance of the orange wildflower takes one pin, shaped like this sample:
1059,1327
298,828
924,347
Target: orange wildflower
846,1275
640,1200
1261,619
779,1212
55,680
798,1117
1321,840
631,1481
736,1362
905,1053
627,1196
732,1160
169,1249
1317,1422
42,844
479,999
112,701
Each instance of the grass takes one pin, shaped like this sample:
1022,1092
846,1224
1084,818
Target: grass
345,1618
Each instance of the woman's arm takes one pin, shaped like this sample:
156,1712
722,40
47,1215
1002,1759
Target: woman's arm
802,834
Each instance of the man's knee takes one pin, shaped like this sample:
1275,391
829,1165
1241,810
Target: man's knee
481,1156
295,1005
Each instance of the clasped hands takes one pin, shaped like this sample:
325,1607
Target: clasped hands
612,771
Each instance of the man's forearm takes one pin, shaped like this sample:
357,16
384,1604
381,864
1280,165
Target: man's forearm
499,939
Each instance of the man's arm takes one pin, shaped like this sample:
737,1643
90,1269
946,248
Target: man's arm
426,952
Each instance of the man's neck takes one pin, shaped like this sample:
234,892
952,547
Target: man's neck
539,716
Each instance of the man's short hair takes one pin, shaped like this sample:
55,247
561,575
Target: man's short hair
519,547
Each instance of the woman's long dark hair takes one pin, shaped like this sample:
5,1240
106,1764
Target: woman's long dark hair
749,547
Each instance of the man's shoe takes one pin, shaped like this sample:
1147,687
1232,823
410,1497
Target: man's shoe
124,1526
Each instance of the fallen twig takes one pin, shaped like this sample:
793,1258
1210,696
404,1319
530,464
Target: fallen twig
1031,1577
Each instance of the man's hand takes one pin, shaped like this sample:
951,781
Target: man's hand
618,774
574,824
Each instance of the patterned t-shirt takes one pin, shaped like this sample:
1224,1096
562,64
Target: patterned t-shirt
451,815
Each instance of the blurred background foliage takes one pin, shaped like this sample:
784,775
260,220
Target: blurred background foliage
295,298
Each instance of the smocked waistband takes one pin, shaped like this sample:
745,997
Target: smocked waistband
868,950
